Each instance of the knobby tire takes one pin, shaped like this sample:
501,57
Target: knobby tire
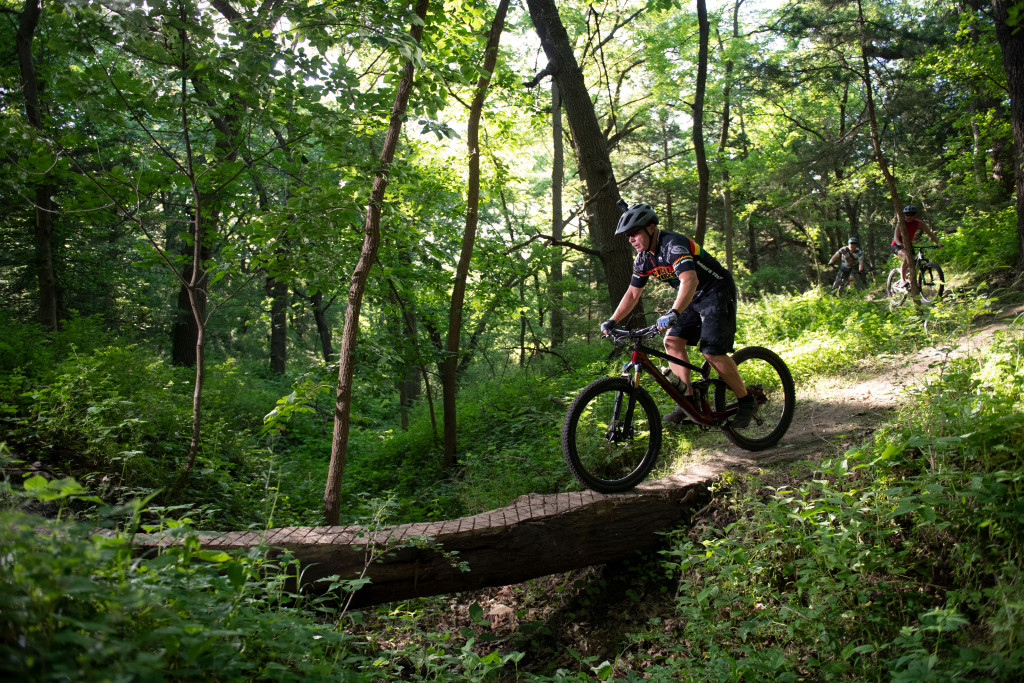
762,372
617,462
896,293
931,282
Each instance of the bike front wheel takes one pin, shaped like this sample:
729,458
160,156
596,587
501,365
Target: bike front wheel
931,281
895,288
839,285
768,379
611,435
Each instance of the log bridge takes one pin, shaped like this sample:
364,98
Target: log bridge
535,535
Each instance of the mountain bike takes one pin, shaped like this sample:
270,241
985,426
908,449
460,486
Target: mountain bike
930,279
845,277
611,435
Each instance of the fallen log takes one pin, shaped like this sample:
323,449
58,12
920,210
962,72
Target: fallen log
534,536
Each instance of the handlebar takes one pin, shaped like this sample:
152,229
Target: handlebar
620,333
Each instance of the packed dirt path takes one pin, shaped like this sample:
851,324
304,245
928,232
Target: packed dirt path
834,413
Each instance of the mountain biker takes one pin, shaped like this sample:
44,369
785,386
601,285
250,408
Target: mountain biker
847,257
704,309
913,225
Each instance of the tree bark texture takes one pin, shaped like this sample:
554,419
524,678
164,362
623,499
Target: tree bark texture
277,292
700,226
1011,43
557,171
534,536
357,286
44,209
591,148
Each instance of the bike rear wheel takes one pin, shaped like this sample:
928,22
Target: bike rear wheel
895,287
931,281
768,379
611,435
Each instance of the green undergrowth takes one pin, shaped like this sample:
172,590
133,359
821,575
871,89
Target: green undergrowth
818,334
899,559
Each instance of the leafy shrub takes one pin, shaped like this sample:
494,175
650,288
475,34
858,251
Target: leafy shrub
983,242
75,607
772,280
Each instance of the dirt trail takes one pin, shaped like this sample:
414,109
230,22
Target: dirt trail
832,415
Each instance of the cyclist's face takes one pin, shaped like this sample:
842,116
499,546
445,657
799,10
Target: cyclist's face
640,238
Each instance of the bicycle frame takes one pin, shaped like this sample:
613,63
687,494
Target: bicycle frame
640,361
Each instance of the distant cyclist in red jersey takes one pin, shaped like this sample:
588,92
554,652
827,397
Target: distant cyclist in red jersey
913,225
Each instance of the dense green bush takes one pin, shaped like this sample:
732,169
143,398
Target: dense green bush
984,242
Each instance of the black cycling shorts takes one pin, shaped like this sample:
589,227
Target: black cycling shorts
897,248
710,319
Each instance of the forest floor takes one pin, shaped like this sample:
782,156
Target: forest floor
580,618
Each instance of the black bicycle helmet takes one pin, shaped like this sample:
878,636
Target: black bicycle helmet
910,208
854,240
636,216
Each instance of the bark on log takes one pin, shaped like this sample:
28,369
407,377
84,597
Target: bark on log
534,536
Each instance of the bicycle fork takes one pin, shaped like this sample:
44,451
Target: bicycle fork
620,427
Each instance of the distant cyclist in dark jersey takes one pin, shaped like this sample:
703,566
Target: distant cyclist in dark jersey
849,256
913,225
704,310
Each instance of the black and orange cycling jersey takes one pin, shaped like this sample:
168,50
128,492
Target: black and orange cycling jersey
674,255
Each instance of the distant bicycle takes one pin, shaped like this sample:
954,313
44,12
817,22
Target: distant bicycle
930,279
611,435
845,278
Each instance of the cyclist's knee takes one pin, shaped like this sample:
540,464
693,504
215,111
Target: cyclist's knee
675,345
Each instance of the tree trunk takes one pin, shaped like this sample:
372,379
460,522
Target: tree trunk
880,156
277,292
46,279
700,156
451,360
723,145
591,148
1011,43
557,171
357,286
323,329
185,332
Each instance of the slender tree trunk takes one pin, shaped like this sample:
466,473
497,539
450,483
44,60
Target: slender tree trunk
723,145
44,209
277,292
669,219
700,156
357,286
1011,43
323,329
185,331
876,142
557,171
451,360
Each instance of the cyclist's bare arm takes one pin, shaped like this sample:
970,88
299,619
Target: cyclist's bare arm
628,303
